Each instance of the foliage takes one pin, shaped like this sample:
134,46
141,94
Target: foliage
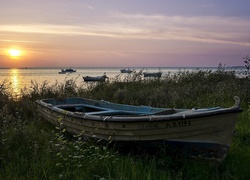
33,149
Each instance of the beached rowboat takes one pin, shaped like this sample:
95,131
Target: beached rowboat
204,133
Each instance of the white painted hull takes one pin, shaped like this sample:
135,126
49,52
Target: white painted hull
211,128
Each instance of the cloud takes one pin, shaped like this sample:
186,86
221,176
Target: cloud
215,29
11,40
88,6
210,29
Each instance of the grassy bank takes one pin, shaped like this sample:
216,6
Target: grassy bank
33,149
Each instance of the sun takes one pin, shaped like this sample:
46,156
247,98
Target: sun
15,52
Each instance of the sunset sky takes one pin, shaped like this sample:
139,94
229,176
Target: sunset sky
123,33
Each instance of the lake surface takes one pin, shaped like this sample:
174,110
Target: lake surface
21,78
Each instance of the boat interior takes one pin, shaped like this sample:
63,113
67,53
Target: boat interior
96,110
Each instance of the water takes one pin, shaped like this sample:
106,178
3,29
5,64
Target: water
21,78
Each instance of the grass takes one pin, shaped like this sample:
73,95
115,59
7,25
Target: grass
33,149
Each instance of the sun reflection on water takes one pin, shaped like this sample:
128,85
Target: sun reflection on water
15,82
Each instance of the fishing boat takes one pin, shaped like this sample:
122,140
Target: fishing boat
95,78
68,70
152,74
201,133
126,70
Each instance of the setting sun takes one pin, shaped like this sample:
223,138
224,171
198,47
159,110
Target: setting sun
14,52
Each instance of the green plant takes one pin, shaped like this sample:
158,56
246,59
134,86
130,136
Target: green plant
30,148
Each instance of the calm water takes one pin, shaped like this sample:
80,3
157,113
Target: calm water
20,78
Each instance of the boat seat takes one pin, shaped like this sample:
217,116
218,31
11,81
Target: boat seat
81,108
117,112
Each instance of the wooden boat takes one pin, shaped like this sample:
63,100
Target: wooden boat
68,70
203,133
95,78
152,74
126,70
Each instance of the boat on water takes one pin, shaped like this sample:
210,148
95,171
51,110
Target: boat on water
201,133
126,70
68,70
152,74
95,78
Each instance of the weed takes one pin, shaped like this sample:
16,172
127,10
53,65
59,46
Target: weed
30,148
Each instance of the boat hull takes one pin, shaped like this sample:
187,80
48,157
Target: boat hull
94,79
64,71
158,74
126,71
208,136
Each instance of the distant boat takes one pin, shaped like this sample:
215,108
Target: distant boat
68,70
202,133
95,78
126,70
152,74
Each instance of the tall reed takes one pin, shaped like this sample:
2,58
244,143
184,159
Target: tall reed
30,148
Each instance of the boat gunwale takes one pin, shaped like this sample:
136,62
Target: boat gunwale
140,118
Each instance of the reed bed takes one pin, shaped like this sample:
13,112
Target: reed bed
30,148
